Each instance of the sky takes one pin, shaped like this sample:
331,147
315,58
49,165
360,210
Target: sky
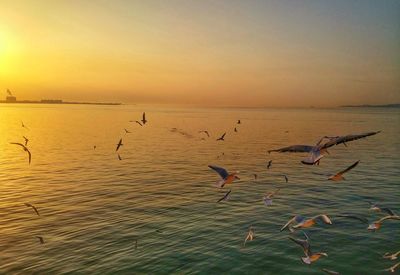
210,53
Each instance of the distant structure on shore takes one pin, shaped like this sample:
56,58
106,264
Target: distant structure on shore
10,98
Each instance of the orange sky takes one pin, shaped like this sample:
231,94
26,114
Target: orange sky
211,53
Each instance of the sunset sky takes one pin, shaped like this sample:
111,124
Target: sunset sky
210,53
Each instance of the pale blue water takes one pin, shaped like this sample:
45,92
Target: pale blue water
162,193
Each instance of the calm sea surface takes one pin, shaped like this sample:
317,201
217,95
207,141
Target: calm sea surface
93,206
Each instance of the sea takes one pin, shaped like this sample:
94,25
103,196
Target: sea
153,209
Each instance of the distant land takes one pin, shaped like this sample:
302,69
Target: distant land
395,105
13,100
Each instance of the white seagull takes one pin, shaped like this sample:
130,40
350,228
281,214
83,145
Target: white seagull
316,152
226,178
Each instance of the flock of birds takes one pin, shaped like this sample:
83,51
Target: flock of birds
298,222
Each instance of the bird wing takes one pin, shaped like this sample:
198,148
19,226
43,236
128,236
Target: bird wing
225,196
138,122
304,244
288,223
223,136
348,168
362,219
344,139
29,155
207,133
17,143
221,171
144,116
324,218
294,149
389,211
389,218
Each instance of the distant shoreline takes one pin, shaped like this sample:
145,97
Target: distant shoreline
64,102
397,105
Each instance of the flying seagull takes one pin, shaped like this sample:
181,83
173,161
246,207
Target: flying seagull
126,131
391,257
25,149
374,226
255,176
41,240
239,122
226,177
268,197
378,224
222,137
286,178
225,197
339,176
144,121
250,235
119,144
316,152
310,256
33,207
301,222
235,130
269,164
24,126
206,132
26,140
392,268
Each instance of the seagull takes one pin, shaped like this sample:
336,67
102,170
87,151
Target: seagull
225,197
26,140
327,271
255,176
268,197
286,178
235,130
222,137
269,164
316,152
377,224
41,240
206,132
126,131
392,268
378,208
339,176
24,126
374,226
25,149
144,118
305,244
119,144
239,122
33,207
119,157
94,147
226,177
391,257
250,235
302,222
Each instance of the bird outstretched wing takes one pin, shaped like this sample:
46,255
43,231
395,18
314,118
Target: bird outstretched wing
221,171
